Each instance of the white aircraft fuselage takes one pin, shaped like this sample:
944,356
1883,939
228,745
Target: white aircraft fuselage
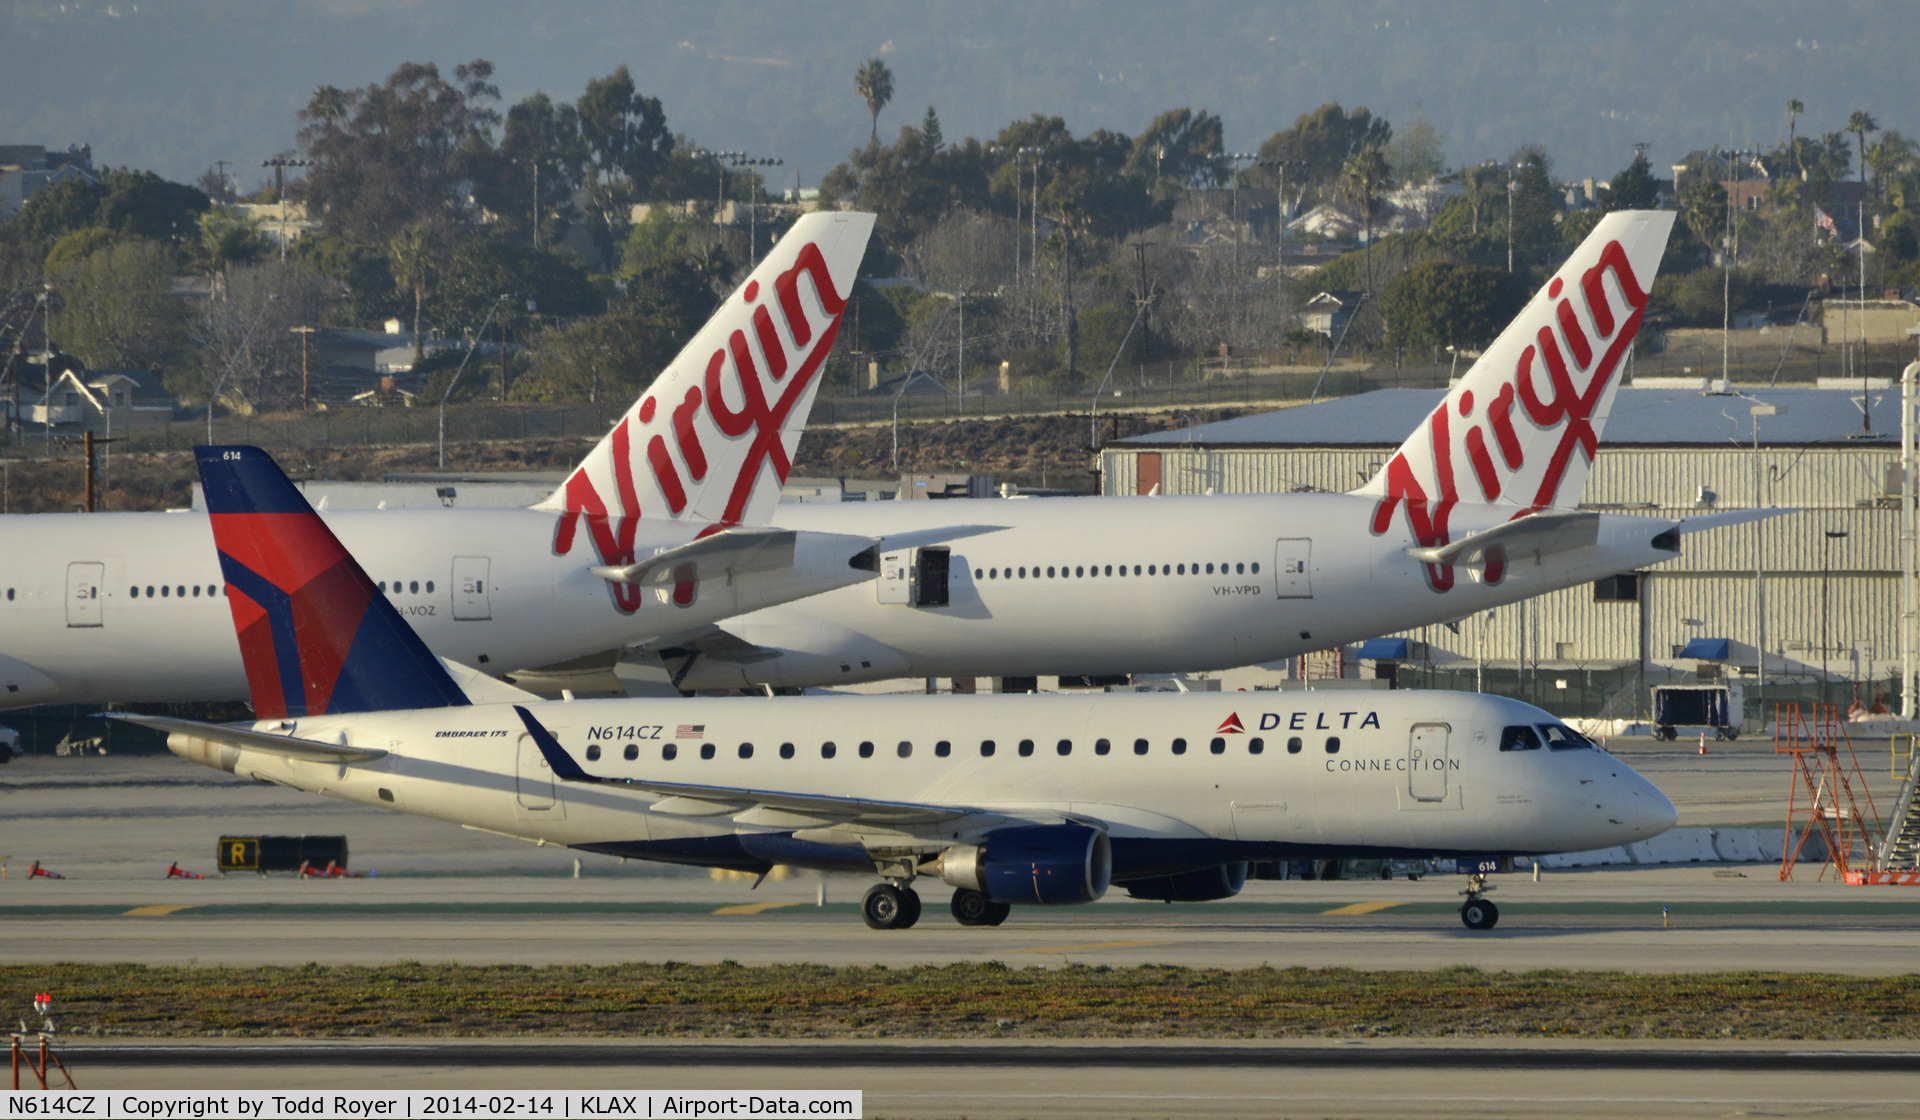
1097,586
1168,778
128,607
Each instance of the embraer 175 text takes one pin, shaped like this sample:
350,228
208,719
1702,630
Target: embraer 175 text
1476,510
1009,799
661,529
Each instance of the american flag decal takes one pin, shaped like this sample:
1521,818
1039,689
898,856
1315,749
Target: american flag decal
688,730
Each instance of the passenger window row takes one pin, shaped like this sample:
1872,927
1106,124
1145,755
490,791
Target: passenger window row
410,587
1090,570
165,592
1025,748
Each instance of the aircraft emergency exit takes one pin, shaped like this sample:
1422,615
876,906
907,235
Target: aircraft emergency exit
1010,800
1477,509
662,527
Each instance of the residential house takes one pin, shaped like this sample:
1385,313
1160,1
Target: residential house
103,400
1328,312
27,169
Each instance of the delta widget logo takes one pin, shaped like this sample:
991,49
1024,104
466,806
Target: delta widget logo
1231,726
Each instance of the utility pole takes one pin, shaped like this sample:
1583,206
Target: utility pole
1509,218
46,366
280,165
1909,601
1759,561
305,397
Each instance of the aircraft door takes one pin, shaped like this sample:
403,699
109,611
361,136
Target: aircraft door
533,778
1427,762
895,584
1293,568
84,581
472,595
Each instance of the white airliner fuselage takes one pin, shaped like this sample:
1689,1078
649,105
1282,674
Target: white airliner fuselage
1166,777
1141,585
128,607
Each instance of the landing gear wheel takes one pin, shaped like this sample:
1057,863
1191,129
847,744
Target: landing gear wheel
971,908
1479,914
1732,734
888,907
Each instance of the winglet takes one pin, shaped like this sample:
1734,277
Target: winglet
564,767
316,636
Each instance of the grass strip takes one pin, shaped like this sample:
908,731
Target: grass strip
969,1000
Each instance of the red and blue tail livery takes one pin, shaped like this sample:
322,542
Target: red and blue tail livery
315,635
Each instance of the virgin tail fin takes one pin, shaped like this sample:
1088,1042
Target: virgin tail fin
316,636
1521,428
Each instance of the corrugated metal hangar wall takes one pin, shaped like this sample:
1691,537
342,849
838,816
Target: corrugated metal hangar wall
1670,455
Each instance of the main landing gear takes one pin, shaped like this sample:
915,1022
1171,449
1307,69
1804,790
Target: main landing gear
971,908
1476,912
889,907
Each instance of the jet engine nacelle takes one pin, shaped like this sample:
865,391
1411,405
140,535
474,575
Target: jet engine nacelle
1204,885
1051,864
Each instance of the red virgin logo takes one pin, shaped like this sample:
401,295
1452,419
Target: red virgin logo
1561,358
745,411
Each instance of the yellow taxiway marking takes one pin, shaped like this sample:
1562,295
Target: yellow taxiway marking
754,907
1089,945
1361,908
157,911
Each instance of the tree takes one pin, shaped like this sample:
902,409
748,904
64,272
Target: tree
362,272
1860,122
416,253
245,344
1417,153
540,164
1706,212
627,148
482,269
138,203
1444,303
1794,109
1324,140
227,239
1634,188
1367,175
399,153
1536,204
1483,183
1183,147
874,83
114,308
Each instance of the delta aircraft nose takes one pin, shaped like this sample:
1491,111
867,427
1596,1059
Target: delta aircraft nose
1644,810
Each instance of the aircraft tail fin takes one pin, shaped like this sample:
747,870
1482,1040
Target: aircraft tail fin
712,439
316,636
1522,426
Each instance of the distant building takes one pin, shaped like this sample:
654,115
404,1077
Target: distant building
102,400
27,169
1328,312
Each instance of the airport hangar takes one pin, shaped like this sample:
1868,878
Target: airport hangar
1670,448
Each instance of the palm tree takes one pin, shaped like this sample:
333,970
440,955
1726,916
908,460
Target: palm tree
1367,175
874,83
412,251
1860,122
1794,109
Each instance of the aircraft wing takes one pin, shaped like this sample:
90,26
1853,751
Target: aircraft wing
1536,534
307,750
1724,518
773,808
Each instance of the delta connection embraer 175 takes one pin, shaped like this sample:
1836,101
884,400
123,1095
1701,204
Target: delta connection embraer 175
1009,799
126,607
1476,510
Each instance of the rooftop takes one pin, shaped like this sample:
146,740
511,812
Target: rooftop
1657,417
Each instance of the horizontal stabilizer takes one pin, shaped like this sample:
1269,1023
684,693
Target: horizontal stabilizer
307,750
483,689
1725,518
1537,534
740,550
921,538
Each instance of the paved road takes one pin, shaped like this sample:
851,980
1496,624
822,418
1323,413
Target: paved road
942,1079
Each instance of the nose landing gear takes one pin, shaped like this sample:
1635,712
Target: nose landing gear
889,907
1476,912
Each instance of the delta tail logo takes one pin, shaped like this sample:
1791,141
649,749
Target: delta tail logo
1231,726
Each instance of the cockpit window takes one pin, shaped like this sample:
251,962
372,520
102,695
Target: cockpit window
1519,738
1560,737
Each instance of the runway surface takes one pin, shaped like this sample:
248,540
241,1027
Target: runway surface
445,894
933,1078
